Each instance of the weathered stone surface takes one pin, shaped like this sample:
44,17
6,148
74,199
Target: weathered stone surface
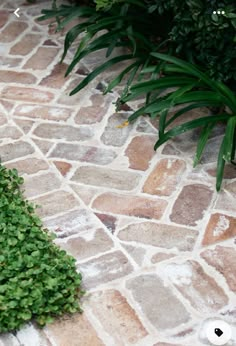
15,150
26,94
25,125
30,335
113,135
90,115
10,62
211,150
220,227
137,253
117,317
223,259
166,344
191,204
56,79
78,98
201,290
26,44
88,244
37,185
226,198
145,127
98,99
140,152
55,203
104,269
130,205
161,256
77,329
6,105
44,146
12,31
160,235
77,152
63,167
3,119
42,112
29,166
8,339
82,70
99,176
64,132
229,171
185,143
108,220
17,77
49,43
3,18
165,177
186,332
155,300
85,192
9,132
72,222
42,58
169,149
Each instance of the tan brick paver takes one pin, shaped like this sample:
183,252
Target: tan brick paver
152,238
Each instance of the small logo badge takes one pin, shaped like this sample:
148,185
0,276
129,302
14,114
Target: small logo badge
218,332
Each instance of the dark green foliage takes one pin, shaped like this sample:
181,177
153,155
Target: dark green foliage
125,26
192,89
195,32
185,29
37,280
202,37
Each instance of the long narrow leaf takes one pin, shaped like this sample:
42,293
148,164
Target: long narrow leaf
75,13
189,108
190,125
100,69
82,55
229,94
233,148
162,121
119,78
202,142
186,67
153,85
227,97
71,36
130,80
220,166
229,138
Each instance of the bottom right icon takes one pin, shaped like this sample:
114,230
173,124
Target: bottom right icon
218,332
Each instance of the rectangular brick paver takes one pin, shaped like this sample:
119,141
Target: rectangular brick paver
130,205
97,176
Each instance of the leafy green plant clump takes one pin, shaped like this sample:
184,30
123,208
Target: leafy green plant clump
190,88
37,279
203,32
199,61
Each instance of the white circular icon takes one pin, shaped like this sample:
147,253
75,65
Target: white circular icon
218,332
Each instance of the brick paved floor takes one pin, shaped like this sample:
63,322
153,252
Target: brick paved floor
154,241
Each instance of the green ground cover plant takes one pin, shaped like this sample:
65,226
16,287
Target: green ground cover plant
199,59
38,281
